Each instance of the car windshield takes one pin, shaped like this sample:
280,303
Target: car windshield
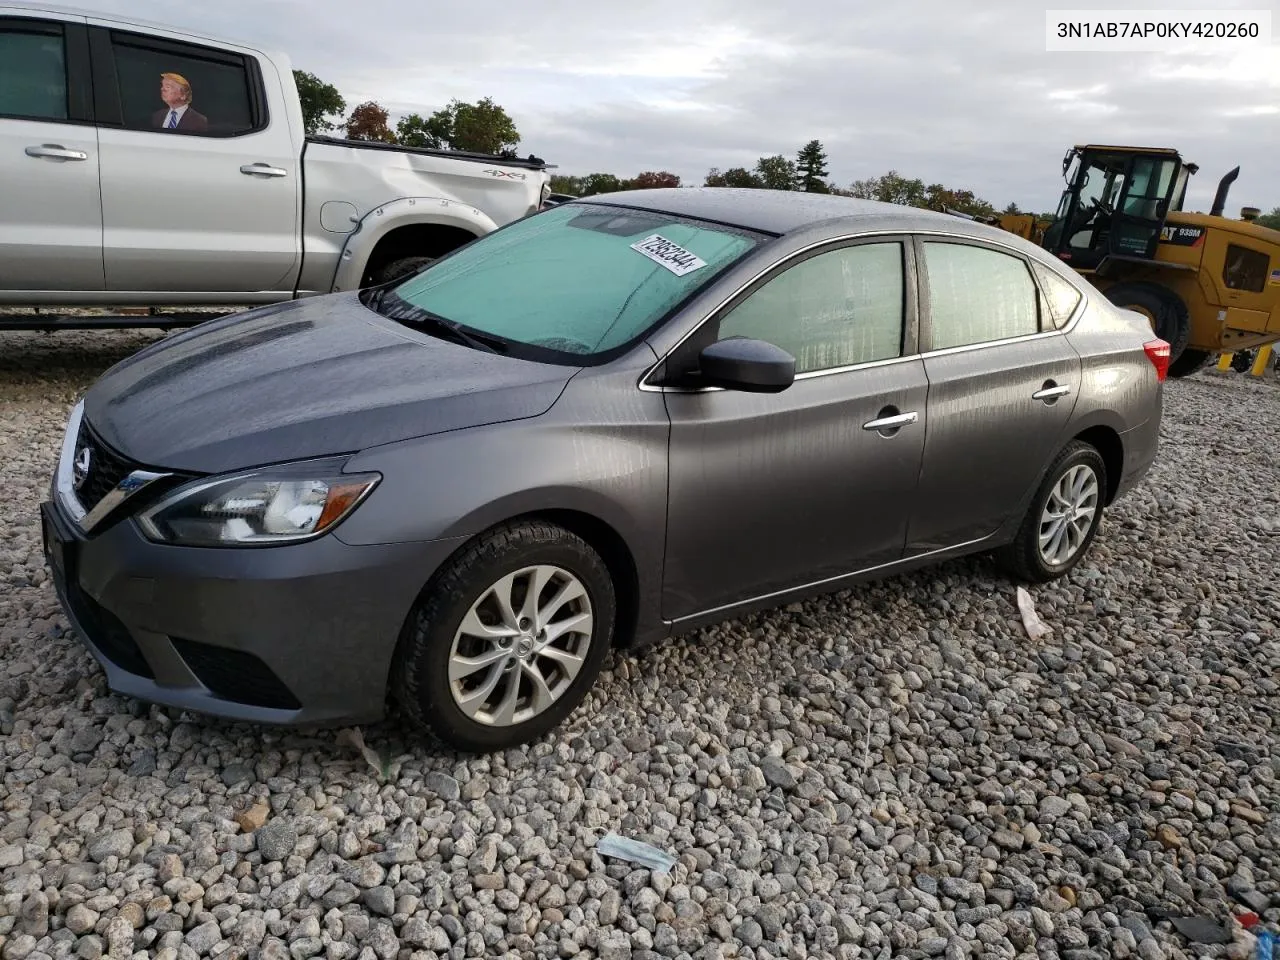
576,279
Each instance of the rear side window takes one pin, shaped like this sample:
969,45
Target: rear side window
1245,269
1060,297
977,295
181,88
33,71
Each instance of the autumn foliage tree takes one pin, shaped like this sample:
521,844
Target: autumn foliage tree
368,121
651,179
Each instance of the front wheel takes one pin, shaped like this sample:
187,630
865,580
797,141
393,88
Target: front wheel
1062,519
507,640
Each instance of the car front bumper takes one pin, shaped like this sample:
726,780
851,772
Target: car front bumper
297,635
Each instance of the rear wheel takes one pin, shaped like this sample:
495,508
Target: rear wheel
507,640
1164,310
1189,362
1062,519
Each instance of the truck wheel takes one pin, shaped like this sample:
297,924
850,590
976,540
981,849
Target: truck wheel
399,269
1189,362
1242,361
507,640
1163,309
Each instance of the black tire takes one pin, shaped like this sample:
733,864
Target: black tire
1191,361
419,680
1022,558
1242,360
1171,320
399,269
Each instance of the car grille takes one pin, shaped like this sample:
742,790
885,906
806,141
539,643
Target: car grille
236,675
106,468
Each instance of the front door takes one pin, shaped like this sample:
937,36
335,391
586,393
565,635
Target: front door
200,180
1002,386
772,491
50,203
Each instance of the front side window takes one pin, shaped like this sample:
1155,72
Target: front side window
33,71
579,280
179,88
835,309
1245,269
977,295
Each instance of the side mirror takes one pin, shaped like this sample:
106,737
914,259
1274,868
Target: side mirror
753,366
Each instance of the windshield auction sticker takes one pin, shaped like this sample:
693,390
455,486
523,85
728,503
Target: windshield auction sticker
670,255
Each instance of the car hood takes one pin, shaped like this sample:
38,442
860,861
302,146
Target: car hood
310,378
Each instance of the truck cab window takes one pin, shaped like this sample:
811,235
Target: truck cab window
33,72
177,88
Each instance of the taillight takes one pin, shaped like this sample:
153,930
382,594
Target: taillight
1158,353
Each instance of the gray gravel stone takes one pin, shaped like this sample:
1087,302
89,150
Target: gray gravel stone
894,770
276,839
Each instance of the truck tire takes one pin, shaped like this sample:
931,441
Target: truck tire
1161,306
1242,360
399,269
1189,362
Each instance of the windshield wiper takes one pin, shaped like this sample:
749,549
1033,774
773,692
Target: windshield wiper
418,317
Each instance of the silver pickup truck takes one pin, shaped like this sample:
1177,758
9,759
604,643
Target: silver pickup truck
142,165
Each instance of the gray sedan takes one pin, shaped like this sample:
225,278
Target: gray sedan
614,420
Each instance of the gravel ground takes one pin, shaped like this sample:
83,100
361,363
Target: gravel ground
897,770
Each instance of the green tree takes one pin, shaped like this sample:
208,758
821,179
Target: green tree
320,101
937,196
560,183
811,162
1271,219
652,179
414,131
777,173
368,121
733,177
600,183
480,127
1011,210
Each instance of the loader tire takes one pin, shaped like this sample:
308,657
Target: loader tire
1165,310
1190,362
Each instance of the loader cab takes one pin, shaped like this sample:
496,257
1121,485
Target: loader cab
1115,203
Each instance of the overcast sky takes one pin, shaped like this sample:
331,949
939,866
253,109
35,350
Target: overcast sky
949,91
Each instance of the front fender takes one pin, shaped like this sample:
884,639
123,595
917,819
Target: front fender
404,212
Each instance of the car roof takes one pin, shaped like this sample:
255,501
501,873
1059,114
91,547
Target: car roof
768,211
29,7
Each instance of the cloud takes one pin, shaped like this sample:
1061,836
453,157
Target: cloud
934,89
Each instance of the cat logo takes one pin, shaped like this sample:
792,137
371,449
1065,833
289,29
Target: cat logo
1181,236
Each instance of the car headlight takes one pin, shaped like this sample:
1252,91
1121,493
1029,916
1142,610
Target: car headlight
260,508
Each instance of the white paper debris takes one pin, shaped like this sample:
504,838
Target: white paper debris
635,851
1036,627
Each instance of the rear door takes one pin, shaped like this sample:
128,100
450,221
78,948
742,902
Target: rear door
50,205
1003,382
200,174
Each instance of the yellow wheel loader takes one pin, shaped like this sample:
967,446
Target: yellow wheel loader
1207,283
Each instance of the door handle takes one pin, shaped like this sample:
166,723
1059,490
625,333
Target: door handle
1051,393
55,151
891,423
263,170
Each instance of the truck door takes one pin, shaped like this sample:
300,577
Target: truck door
201,185
50,205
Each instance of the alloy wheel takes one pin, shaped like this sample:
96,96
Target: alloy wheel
1068,514
520,645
